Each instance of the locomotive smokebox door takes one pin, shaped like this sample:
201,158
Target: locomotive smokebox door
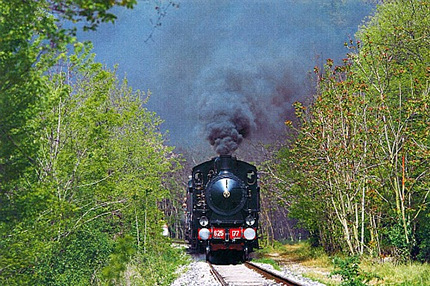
226,194
223,207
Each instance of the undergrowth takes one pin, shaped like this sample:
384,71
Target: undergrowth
156,266
270,261
345,270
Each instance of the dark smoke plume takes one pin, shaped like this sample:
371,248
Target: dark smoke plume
227,71
227,122
245,101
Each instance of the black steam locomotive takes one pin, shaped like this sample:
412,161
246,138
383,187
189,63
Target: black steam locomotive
223,204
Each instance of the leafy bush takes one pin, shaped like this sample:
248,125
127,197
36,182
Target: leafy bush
350,272
157,266
73,261
423,240
119,258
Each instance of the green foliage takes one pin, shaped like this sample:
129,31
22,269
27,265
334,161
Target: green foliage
307,251
81,159
357,173
119,258
32,39
159,265
350,272
268,261
396,239
411,273
74,260
92,12
96,177
423,239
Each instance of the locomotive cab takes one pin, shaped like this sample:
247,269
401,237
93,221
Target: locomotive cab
223,206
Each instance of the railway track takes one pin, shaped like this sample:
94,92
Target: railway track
247,274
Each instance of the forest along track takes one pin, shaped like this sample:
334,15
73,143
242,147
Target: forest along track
247,274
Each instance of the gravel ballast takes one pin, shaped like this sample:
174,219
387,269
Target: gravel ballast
198,273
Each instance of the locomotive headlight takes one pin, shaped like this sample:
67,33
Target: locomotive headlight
249,233
250,220
203,221
204,234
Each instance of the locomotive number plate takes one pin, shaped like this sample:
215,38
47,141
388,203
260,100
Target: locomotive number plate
235,233
219,233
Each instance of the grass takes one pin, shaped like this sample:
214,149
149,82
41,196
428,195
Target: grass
313,262
156,267
412,273
317,265
270,261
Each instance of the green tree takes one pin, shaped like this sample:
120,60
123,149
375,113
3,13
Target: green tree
394,60
81,159
31,35
361,155
99,173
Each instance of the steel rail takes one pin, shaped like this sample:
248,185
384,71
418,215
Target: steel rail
217,276
271,275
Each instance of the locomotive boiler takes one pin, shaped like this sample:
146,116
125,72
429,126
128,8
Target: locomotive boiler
223,204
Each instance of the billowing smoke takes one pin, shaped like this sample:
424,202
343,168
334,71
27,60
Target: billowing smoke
227,71
228,120
243,101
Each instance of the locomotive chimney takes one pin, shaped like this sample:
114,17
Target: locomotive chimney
224,163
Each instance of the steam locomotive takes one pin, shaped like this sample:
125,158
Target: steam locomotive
222,207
